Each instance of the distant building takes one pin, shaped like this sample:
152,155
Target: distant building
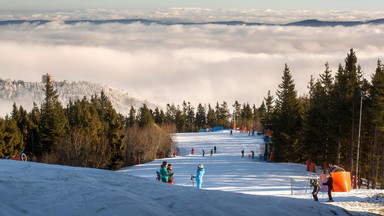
44,78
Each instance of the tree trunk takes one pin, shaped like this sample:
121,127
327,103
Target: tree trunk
352,138
338,147
374,164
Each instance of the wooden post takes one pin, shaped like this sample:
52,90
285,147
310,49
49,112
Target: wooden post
307,186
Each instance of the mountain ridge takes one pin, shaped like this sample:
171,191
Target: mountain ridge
304,23
26,93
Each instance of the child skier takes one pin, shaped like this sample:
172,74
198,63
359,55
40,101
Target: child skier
163,172
170,173
316,187
199,175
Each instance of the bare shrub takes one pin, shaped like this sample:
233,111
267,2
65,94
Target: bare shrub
147,143
83,149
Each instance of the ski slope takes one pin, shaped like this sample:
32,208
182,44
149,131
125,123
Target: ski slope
228,171
232,186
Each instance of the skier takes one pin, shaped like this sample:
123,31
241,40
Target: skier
170,173
163,172
335,168
242,153
192,150
316,187
199,175
211,152
329,183
203,152
214,149
231,134
253,154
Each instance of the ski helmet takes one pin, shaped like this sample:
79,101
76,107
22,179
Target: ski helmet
165,163
201,166
313,181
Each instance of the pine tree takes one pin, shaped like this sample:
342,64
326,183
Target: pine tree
237,113
287,118
190,121
201,120
211,117
180,120
145,117
376,112
267,120
131,121
11,139
159,116
170,114
53,124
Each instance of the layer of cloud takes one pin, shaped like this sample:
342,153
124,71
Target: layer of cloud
197,63
196,15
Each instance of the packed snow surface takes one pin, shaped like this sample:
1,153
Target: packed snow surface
232,185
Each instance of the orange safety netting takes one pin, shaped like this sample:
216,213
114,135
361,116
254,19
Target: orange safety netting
341,181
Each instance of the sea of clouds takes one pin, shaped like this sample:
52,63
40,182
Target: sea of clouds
196,63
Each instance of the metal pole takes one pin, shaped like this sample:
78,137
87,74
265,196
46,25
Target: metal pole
358,141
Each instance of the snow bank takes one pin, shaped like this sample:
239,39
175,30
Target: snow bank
29,188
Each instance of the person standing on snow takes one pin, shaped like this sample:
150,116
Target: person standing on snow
316,187
253,154
163,172
211,152
192,150
329,183
203,152
214,149
199,175
242,153
170,174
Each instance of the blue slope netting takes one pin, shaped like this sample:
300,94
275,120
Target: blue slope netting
217,128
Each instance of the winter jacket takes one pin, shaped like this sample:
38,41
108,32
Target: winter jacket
329,183
170,174
199,175
164,174
316,187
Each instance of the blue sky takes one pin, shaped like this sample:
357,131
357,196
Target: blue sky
366,5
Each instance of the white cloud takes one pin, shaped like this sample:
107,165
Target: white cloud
197,63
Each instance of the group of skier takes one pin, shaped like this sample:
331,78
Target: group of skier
329,183
166,174
213,151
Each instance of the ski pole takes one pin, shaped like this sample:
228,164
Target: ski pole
193,184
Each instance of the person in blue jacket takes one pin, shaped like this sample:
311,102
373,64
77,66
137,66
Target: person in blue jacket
164,172
199,175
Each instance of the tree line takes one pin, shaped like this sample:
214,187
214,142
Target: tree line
321,126
87,133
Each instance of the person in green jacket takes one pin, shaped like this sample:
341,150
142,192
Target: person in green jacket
163,172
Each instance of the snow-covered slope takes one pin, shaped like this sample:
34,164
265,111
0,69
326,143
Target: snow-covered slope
228,171
25,93
39,189
232,186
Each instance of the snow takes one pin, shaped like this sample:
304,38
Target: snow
25,93
232,185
